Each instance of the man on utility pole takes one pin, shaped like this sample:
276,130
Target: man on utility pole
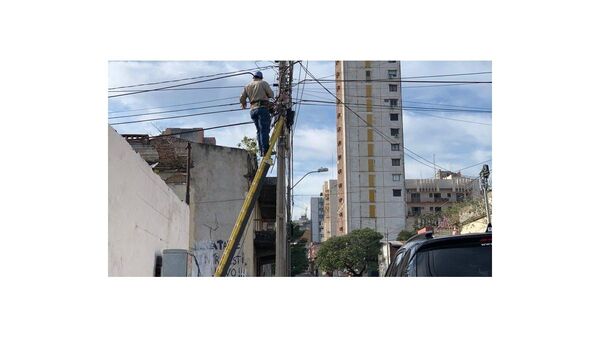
283,107
259,92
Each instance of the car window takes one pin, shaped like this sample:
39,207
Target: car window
465,260
391,271
403,267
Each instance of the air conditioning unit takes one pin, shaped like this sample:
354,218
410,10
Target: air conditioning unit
175,263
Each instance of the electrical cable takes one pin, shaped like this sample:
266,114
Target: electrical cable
192,88
401,81
408,107
179,85
189,78
417,102
199,129
174,110
172,105
177,117
370,125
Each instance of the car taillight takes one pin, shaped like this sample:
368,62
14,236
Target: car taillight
485,240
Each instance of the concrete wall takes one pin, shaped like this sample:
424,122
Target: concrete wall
219,180
144,215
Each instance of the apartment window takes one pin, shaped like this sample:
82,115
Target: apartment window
460,197
396,177
396,162
368,75
430,195
416,211
438,209
397,192
393,117
395,146
449,195
393,88
395,131
430,208
392,102
392,73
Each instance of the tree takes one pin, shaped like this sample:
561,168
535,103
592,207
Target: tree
249,144
355,253
298,252
406,234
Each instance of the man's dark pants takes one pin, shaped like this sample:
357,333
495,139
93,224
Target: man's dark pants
262,121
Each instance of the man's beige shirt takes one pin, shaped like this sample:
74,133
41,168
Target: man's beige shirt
257,90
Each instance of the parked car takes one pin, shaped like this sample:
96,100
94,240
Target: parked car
451,256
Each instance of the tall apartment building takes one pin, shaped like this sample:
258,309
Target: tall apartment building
370,167
330,210
316,218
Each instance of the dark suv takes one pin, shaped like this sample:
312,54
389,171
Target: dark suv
452,256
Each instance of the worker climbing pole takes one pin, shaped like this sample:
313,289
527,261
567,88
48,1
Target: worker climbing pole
282,109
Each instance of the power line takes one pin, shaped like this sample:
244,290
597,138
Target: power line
409,107
177,117
192,88
474,165
189,78
417,102
418,112
173,105
402,81
179,85
444,75
370,125
198,129
173,111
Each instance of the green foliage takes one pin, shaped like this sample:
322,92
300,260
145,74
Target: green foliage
354,253
298,252
406,234
250,144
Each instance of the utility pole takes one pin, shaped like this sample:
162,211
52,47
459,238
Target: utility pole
281,221
483,176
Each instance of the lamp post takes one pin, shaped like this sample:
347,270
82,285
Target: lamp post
320,170
289,213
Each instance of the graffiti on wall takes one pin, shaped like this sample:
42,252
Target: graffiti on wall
209,252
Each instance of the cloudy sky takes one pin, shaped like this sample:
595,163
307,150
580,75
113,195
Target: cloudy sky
456,138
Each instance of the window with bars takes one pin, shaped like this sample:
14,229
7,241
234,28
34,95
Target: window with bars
396,162
397,192
393,117
395,146
393,88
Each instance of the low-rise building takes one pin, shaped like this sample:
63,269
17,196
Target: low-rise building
427,197
219,179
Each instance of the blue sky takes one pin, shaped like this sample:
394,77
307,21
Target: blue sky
456,144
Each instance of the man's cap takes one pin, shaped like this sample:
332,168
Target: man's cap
258,75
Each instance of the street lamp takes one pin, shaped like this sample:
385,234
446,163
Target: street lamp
320,170
289,214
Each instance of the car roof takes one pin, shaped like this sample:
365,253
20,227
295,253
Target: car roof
429,237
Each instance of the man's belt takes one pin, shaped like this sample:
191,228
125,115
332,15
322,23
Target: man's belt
260,102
